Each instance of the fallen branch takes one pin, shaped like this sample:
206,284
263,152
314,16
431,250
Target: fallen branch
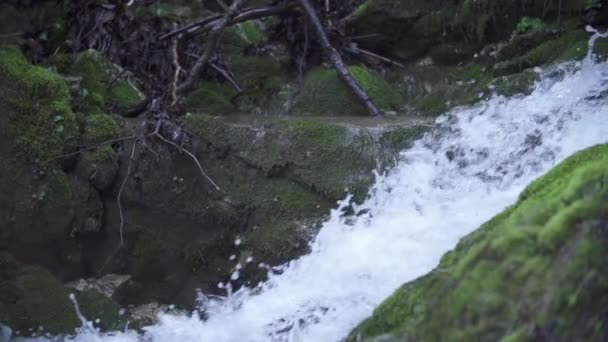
205,24
178,69
213,37
193,158
358,51
337,61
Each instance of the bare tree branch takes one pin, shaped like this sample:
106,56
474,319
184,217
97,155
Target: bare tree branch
205,24
358,51
336,60
213,37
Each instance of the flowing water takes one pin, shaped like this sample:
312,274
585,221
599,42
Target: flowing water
469,168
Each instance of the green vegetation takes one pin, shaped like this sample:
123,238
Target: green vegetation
211,98
324,93
537,268
37,117
34,302
568,46
104,87
100,128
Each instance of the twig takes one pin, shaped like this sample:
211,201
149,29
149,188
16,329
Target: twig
356,51
193,158
211,43
90,147
227,76
122,186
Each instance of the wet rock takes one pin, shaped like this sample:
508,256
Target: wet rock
106,285
449,54
34,302
541,259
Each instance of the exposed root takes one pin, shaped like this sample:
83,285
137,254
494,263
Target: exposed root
122,186
193,158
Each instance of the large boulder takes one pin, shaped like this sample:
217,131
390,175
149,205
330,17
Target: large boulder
33,302
537,271
39,201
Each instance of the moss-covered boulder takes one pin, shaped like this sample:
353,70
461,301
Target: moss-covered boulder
327,158
105,87
430,90
34,302
37,119
212,98
324,93
536,271
570,45
37,198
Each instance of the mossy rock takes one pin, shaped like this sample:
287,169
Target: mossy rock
100,128
105,86
459,86
37,118
261,77
329,159
102,311
211,98
35,302
537,269
516,84
570,45
324,93
405,29
99,166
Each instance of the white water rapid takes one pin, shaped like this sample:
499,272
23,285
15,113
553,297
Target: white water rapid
474,164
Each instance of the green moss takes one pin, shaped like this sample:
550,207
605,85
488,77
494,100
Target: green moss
104,85
211,98
538,266
33,298
243,35
261,77
35,302
36,105
93,306
570,45
462,86
328,159
123,95
324,93
100,128
527,24
520,83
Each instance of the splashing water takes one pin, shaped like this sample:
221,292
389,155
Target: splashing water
468,169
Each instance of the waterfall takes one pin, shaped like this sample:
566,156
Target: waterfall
471,166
